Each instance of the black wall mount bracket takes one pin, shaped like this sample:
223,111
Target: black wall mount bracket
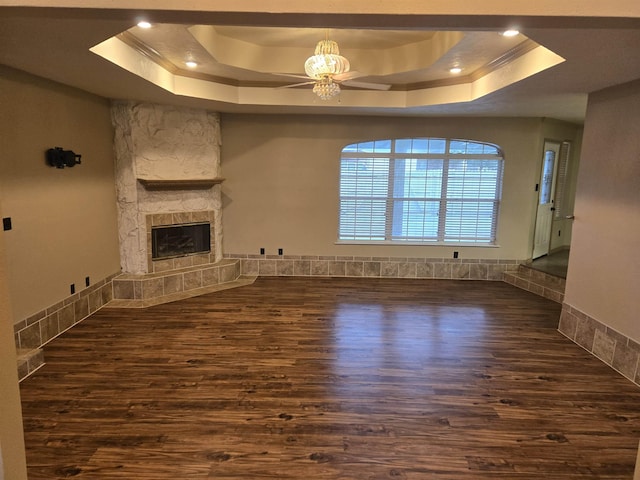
60,158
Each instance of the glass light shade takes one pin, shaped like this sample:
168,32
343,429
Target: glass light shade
326,62
326,88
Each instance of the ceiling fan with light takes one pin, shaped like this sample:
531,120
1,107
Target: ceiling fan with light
326,69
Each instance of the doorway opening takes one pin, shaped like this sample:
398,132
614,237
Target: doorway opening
554,215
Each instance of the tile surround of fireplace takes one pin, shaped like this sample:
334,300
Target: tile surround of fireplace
183,261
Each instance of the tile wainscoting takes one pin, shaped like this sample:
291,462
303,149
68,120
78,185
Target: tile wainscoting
616,350
383,267
37,330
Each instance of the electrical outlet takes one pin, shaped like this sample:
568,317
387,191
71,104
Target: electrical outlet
455,254
87,281
72,288
280,251
262,251
6,223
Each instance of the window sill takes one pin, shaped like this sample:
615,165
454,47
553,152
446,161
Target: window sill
418,244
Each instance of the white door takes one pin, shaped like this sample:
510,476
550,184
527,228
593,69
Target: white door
546,192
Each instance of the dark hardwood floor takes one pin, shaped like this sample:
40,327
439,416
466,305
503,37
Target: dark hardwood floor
302,378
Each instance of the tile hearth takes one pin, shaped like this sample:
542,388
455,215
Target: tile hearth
144,290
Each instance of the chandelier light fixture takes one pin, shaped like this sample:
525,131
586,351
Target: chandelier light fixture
323,66
326,88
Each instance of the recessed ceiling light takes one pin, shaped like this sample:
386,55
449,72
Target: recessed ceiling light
144,24
510,33
191,64
455,70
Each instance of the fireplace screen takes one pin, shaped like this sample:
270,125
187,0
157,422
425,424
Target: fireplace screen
180,240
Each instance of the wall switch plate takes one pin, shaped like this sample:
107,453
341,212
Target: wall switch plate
280,251
6,223
262,251
72,288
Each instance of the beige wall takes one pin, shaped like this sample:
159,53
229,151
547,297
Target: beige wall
12,455
281,188
64,220
603,280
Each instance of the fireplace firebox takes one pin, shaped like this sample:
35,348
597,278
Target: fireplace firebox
169,241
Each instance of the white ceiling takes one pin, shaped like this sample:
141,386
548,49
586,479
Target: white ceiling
598,51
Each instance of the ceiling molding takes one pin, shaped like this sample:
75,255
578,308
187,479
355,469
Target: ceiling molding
152,54
508,57
146,51
143,49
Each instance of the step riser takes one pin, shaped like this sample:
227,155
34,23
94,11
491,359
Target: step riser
538,283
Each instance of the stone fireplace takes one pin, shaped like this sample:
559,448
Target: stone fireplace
167,174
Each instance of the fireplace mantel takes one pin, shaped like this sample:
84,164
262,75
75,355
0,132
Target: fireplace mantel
188,184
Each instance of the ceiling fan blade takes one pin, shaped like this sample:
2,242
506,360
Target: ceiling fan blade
291,75
297,84
367,85
342,77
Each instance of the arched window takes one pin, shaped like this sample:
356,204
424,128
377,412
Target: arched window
424,190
